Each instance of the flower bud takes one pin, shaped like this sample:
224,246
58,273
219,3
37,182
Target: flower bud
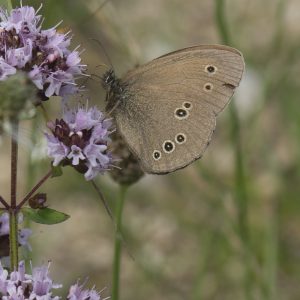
38,201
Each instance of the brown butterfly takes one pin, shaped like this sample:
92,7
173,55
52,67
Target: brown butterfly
166,109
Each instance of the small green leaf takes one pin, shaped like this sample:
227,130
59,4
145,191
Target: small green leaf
45,215
56,171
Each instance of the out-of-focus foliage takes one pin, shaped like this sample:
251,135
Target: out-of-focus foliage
191,234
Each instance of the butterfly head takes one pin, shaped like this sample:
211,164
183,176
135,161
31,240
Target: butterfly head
114,89
110,82
108,79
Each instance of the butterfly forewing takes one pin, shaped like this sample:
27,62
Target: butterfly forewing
172,102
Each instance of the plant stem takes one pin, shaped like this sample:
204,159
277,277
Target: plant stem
241,193
13,222
240,177
34,189
14,164
4,203
13,239
221,21
118,244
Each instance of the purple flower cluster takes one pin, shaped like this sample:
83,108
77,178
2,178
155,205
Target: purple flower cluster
44,54
23,233
80,140
39,286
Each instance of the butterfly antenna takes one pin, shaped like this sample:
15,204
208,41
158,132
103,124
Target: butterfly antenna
102,198
97,76
102,65
119,232
93,14
104,51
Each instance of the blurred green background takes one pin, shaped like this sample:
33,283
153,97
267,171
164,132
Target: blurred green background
226,227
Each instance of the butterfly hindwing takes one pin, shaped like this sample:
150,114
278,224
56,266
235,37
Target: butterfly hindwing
171,104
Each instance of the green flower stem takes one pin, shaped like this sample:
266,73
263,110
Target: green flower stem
118,244
240,177
241,194
13,222
221,21
13,239
9,5
31,171
14,163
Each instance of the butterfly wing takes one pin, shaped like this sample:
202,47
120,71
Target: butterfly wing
170,104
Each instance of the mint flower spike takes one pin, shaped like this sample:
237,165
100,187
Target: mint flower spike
77,292
18,285
43,54
80,139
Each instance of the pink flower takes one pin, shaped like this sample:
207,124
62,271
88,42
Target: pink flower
80,139
44,54
18,285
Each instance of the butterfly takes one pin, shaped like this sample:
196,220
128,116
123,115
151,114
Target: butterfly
166,109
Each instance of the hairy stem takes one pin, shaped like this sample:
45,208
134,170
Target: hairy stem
118,244
14,165
13,222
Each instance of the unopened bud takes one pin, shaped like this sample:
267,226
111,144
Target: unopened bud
38,201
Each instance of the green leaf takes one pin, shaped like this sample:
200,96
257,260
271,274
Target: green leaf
56,171
44,215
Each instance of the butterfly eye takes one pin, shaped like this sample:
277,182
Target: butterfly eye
208,87
180,138
168,146
210,69
187,105
156,155
181,113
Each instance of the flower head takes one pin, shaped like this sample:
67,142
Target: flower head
80,139
18,285
43,54
77,292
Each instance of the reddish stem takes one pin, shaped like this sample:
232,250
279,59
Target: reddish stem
34,189
4,203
